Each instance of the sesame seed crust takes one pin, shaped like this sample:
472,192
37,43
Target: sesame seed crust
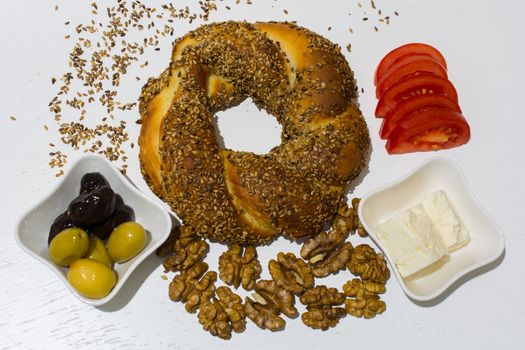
239,197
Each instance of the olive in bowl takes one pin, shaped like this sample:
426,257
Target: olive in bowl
31,234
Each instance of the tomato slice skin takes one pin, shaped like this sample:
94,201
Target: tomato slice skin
409,66
412,105
407,49
430,130
411,86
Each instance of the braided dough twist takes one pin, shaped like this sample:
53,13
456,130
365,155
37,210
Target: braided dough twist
239,197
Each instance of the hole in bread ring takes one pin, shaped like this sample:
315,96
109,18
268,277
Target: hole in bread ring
239,197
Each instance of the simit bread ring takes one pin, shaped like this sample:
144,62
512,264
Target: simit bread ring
239,197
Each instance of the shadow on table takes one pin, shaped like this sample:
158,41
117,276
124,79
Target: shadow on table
461,281
132,285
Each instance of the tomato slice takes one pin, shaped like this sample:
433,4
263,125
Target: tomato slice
407,87
429,130
409,66
415,104
408,49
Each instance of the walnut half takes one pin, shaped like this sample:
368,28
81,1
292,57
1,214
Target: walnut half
223,314
364,301
238,267
263,316
347,221
185,257
368,264
322,307
270,301
192,287
291,273
327,253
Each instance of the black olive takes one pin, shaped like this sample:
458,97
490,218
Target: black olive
118,200
122,213
91,181
93,207
61,222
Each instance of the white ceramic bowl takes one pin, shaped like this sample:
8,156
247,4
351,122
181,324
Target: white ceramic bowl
33,227
486,240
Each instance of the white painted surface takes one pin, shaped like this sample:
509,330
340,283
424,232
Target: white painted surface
483,44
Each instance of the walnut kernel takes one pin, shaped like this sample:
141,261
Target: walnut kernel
291,273
237,267
322,307
364,300
223,314
368,264
262,316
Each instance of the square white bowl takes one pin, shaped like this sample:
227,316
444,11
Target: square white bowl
32,229
486,240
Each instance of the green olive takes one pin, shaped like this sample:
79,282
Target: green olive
126,241
91,278
97,251
68,246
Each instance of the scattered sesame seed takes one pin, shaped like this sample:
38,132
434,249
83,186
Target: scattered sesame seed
12,117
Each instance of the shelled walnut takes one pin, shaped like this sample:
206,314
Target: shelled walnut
368,264
270,301
262,316
193,286
322,307
238,267
291,273
357,287
347,221
327,253
275,298
184,258
187,235
365,301
223,313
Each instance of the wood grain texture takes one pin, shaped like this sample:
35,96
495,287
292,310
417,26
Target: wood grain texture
482,42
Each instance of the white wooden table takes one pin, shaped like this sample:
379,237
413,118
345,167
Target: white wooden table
483,44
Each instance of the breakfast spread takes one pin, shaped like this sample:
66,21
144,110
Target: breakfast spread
417,102
423,234
240,197
76,237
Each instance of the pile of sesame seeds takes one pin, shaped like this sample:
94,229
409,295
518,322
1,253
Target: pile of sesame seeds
100,56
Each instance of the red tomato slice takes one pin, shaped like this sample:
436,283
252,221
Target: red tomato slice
407,87
429,130
409,66
415,104
408,49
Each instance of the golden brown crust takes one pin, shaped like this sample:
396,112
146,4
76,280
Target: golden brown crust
240,197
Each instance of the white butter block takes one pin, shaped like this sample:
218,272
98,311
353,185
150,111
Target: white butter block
452,231
411,240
